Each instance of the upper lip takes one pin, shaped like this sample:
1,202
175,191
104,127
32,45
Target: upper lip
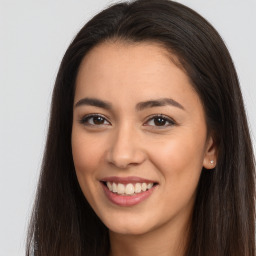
126,180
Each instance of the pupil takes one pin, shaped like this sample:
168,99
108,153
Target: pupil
159,121
98,120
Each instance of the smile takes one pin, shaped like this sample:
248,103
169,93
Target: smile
127,191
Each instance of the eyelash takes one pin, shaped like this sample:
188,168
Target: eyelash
85,120
164,118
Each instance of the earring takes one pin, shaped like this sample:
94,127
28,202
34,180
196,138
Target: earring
212,161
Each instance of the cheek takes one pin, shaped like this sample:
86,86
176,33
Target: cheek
180,159
87,152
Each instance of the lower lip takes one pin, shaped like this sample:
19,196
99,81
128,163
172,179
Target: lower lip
122,200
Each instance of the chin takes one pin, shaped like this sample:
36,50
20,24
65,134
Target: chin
126,226
128,230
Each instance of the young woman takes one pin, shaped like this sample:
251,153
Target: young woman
148,150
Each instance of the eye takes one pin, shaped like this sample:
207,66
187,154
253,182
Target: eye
160,121
94,120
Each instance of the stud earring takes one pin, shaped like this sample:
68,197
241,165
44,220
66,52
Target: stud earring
212,161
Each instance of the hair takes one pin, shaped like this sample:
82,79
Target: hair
63,223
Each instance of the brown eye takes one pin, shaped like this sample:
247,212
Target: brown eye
98,120
160,121
94,120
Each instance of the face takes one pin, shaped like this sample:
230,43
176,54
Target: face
139,137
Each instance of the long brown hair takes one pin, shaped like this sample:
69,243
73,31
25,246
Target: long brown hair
223,222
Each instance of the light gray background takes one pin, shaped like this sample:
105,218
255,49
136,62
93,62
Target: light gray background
33,38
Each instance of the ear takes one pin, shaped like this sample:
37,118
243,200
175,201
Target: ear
210,157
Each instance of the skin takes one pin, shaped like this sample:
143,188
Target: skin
128,142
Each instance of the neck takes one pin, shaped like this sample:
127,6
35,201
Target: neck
167,240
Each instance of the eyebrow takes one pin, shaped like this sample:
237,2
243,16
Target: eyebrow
140,106
159,103
94,102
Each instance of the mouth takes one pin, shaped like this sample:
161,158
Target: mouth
127,191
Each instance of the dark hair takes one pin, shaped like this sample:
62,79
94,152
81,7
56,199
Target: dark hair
63,223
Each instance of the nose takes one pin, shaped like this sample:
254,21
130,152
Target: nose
126,149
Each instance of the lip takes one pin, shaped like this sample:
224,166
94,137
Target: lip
126,180
127,200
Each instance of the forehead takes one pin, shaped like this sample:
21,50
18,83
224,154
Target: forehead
129,55
138,71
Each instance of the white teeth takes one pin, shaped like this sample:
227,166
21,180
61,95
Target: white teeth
150,185
109,186
120,188
128,189
137,188
144,187
114,187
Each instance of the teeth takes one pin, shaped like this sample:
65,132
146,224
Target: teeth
109,186
120,188
144,187
114,187
150,185
137,188
128,189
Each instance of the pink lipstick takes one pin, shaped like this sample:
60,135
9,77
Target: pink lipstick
127,191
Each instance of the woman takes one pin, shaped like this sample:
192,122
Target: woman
148,150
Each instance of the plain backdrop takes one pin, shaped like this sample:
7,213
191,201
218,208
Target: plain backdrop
33,38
